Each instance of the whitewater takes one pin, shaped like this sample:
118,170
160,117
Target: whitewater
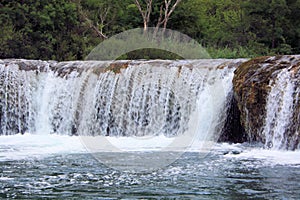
136,129
30,146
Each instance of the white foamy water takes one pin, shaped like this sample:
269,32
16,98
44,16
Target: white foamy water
149,106
266,157
29,146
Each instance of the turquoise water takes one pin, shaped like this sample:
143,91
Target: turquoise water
228,172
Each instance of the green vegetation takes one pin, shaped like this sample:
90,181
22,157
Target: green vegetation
149,54
70,29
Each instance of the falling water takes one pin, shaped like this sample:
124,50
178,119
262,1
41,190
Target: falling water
146,98
17,103
279,111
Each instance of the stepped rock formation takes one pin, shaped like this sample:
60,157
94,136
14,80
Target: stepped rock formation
267,93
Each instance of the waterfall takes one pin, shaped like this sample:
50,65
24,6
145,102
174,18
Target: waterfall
280,108
17,95
140,98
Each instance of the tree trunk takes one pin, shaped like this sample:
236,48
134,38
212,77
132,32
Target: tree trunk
165,26
145,27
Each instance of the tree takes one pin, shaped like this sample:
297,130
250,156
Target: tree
166,10
268,20
102,10
46,29
70,29
292,31
145,12
222,23
167,7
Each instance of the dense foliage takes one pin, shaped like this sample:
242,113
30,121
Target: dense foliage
69,29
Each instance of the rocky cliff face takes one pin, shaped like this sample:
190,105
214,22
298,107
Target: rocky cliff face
267,93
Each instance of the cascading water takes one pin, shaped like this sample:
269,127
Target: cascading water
280,109
17,92
155,104
146,98
280,127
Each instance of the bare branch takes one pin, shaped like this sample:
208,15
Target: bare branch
137,3
103,14
164,14
145,13
159,22
173,7
99,33
92,26
149,9
167,13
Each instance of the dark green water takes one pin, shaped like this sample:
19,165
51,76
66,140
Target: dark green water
217,176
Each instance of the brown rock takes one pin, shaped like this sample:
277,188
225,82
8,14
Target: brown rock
251,88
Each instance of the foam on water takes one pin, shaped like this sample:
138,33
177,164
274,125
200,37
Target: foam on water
149,106
29,146
266,157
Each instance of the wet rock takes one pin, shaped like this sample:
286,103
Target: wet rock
29,65
252,84
117,66
235,152
233,131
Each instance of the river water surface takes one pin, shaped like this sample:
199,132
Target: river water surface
59,167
